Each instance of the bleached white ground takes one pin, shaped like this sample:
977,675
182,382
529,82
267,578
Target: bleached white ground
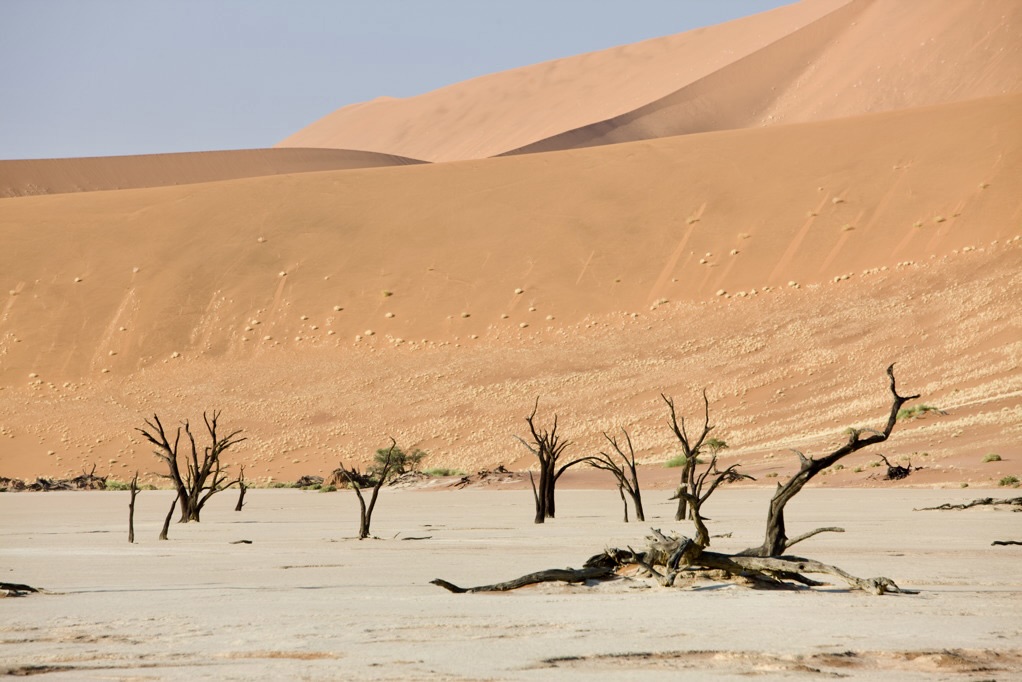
306,600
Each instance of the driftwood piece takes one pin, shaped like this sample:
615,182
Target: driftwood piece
567,575
982,501
1006,542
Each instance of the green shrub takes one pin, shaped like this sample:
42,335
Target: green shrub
992,457
112,484
679,461
917,411
440,472
327,488
1008,481
401,462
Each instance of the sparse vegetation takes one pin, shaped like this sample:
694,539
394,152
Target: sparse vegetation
917,411
114,484
441,472
1008,481
992,457
400,462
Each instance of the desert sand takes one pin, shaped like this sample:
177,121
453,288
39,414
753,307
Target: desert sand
773,210
306,600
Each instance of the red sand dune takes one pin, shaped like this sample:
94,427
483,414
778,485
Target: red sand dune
178,304
781,266
810,61
57,176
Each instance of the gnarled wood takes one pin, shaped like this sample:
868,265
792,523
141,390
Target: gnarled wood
567,575
625,473
776,541
548,447
982,501
690,449
131,509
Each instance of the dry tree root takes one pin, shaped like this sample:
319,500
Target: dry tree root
1010,501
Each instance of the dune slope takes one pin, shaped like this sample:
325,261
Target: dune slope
58,176
809,61
328,309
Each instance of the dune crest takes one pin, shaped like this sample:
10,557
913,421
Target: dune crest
29,177
810,61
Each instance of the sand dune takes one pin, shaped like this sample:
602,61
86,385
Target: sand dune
58,176
810,61
499,112
340,306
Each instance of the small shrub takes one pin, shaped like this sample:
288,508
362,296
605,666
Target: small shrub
964,485
281,484
327,488
857,470
917,411
440,472
839,467
678,461
112,484
401,462
772,474
992,457
1008,481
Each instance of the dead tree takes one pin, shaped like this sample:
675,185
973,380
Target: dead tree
776,541
356,481
242,488
895,472
202,478
690,450
626,474
669,556
548,447
131,509
166,520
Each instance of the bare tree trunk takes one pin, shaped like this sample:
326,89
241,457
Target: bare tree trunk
776,541
547,446
131,509
166,521
690,450
366,512
242,488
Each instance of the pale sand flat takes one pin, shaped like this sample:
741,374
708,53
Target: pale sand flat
306,600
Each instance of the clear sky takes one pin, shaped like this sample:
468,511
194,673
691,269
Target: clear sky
102,77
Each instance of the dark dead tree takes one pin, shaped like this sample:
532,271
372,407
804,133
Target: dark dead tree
669,556
624,471
980,502
167,518
356,481
242,489
895,472
548,447
776,541
131,509
690,449
203,477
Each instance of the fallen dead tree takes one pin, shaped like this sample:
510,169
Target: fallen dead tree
666,558
982,501
84,481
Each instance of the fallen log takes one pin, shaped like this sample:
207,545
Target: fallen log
567,575
982,501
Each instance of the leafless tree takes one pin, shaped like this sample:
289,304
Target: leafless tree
624,471
131,509
356,481
242,489
548,447
690,449
203,477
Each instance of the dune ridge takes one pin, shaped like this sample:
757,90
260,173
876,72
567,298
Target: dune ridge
28,177
810,61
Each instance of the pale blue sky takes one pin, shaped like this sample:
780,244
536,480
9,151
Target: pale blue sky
102,77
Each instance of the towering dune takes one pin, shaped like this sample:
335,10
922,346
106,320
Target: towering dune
57,176
811,61
499,112
782,266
